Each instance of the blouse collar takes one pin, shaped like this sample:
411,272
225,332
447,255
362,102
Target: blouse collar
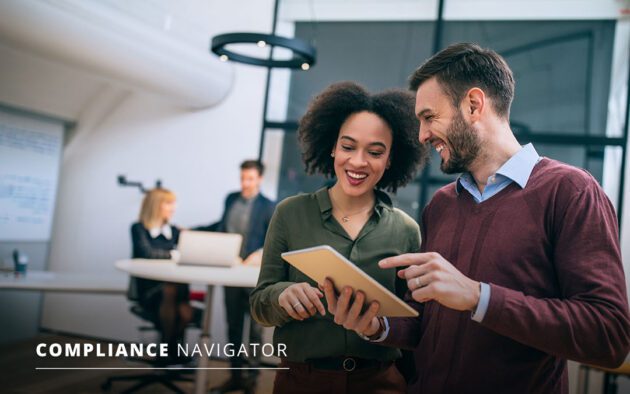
165,230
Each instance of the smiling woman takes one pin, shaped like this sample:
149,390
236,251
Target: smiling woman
340,103
367,142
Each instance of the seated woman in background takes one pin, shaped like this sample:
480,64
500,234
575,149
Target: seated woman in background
367,142
154,238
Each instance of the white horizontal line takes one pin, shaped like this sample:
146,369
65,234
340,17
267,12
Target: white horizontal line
166,368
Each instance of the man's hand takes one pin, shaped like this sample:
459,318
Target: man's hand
348,314
431,277
301,301
254,259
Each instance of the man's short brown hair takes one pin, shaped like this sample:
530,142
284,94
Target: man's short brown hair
463,66
249,164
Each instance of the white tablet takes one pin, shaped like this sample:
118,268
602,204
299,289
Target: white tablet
321,262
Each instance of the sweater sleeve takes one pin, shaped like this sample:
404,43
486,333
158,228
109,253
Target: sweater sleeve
273,278
404,332
589,321
212,227
142,247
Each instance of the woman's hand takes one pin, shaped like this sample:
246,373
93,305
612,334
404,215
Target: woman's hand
348,313
302,301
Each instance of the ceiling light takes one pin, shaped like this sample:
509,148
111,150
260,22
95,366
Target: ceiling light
303,53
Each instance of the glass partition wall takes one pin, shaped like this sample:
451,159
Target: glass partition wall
563,71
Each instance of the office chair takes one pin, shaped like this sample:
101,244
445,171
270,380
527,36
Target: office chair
161,376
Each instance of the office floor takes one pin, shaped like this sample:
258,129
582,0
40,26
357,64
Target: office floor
18,375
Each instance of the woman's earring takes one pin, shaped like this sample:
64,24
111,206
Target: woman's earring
332,154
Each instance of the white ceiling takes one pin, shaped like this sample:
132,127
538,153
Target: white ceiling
81,47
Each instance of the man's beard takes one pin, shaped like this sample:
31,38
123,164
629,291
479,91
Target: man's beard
464,146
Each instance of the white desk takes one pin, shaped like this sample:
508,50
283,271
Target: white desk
167,270
65,282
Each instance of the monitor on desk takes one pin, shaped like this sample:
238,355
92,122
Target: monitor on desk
211,249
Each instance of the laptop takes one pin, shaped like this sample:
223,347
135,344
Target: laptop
210,249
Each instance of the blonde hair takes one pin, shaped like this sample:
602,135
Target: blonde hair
150,211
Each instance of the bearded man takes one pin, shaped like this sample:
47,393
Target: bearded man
520,267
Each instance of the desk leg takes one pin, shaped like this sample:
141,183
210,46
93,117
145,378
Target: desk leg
610,383
583,372
201,376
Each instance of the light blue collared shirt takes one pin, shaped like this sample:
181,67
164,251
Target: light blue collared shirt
517,169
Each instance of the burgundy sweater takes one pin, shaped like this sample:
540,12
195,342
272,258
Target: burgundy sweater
550,253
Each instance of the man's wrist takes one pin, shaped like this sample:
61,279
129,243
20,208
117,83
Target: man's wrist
482,306
476,296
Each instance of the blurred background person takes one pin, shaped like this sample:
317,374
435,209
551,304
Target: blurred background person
153,237
247,212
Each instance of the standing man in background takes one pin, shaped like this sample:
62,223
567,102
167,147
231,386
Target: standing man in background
248,213
520,267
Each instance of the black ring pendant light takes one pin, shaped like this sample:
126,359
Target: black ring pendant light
303,53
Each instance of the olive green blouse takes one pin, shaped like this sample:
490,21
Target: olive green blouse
305,221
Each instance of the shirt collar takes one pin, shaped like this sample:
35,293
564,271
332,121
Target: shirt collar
164,230
240,195
518,168
383,201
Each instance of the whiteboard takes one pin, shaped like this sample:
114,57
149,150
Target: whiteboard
30,154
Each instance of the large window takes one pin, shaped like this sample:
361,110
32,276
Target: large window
562,71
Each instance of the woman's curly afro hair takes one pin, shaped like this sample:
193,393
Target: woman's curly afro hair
319,130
